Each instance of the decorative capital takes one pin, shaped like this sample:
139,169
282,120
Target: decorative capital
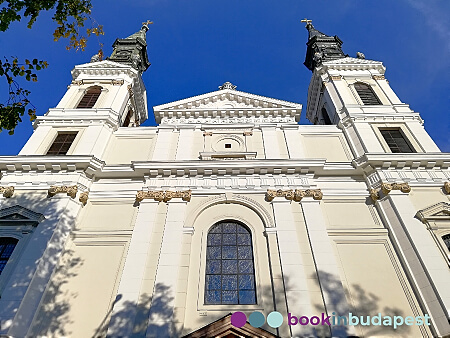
294,195
447,187
335,77
84,197
7,191
374,194
248,133
387,187
164,195
207,133
70,190
227,85
378,77
77,82
118,82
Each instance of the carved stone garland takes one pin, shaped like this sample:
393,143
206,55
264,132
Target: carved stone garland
294,195
84,197
164,195
386,188
447,187
70,190
7,191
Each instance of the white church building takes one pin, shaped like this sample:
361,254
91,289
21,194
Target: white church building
111,229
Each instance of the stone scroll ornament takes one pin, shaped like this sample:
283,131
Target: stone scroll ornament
386,188
447,187
7,191
70,190
164,196
84,197
294,195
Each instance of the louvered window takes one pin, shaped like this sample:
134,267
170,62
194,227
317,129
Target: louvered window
446,240
230,272
90,97
326,117
396,141
7,245
366,94
62,143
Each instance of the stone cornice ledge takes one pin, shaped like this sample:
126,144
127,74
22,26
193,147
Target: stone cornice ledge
26,163
400,161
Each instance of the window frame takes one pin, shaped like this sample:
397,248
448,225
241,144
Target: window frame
51,137
405,138
370,88
407,135
237,259
55,138
201,305
85,92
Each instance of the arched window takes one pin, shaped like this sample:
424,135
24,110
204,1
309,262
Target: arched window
326,117
366,94
90,97
230,273
7,245
446,240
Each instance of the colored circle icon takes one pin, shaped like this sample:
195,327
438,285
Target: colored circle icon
238,319
275,319
256,319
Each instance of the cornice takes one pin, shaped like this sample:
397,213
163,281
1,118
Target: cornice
402,161
104,68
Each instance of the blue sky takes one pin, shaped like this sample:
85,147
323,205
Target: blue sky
259,45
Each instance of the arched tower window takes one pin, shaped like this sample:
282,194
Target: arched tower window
446,240
326,117
90,97
230,272
366,94
7,245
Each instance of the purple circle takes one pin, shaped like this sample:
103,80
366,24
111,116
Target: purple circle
238,319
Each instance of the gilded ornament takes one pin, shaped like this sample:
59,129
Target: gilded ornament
70,190
378,77
207,133
294,195
164,195
84,197
7,191
374,194
447,187
248,133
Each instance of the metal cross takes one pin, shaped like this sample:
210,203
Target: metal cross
148,22
305,20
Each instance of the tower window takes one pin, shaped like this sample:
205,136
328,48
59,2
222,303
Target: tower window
227,145
326,117
230,273
90,97
446,240
366,94
396,141
7,245
62,143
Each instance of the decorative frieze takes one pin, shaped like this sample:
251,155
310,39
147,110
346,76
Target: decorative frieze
294,195
7,191
447,187
164,196
70,190
386,188
84,197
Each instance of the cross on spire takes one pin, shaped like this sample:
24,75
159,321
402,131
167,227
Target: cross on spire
308,22
146,23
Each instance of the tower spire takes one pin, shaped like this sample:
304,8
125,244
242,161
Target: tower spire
133,49
321,47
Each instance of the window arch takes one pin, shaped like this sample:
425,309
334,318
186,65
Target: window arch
366,94
230,270
7,245
90,97
446,239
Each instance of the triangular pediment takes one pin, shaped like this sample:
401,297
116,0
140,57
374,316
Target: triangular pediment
226,105
435,212
224,329
18,214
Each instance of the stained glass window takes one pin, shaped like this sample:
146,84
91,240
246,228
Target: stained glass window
230,273
7,245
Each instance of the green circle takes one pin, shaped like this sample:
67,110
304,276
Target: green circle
275,319
256,319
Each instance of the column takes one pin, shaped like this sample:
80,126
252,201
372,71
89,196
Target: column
163,144
125,309
271,148
293,141
161,316
293,271
430,271
185,143
326,265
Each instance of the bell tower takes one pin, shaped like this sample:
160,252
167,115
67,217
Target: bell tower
354,94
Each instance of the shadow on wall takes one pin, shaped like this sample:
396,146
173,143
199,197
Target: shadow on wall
39,257
365,303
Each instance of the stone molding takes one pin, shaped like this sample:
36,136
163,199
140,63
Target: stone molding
164,195
447,187
70,190
7,191
84,196
294,195
386,188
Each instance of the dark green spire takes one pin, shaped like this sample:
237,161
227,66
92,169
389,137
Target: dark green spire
321,47
132,50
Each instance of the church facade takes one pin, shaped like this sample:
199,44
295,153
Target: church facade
108,228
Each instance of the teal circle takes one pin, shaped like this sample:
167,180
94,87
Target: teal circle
275,319
256,319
